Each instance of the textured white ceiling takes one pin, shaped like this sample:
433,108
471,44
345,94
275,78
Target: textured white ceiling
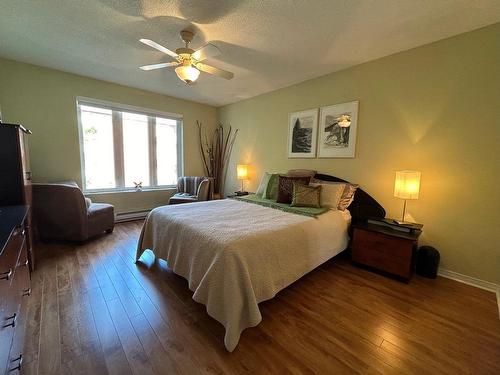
267,44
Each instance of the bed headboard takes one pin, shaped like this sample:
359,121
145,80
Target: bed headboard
363,206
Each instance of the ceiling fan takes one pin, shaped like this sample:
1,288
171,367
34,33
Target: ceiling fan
188,61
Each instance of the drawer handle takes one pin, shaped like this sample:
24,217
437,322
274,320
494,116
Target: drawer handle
6,275
25,264
27,292
13,323
19,361
20,231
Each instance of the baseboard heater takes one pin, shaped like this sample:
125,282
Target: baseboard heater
130,216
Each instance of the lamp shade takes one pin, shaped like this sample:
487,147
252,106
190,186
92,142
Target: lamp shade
187,73
242,171
407,184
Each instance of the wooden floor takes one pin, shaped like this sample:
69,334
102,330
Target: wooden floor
93,311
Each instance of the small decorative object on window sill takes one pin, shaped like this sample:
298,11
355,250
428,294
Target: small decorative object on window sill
215,153
138,186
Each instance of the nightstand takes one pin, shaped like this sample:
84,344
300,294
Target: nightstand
384,249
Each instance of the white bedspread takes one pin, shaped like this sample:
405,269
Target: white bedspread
236,254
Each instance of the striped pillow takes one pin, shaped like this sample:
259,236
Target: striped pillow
347,196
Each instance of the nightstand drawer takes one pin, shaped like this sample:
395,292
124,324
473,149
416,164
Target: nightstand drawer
386,253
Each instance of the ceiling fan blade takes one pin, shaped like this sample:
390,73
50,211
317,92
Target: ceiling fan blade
215,71
159,66
159,47
205,52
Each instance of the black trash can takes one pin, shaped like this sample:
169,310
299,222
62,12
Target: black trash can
428,262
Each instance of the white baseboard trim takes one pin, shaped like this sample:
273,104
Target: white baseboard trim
130,216
498,302
478,283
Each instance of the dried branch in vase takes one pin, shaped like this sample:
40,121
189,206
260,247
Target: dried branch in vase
215,153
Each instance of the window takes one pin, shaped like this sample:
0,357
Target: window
123,146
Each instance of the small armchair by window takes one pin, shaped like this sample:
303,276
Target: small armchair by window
192,189
62,212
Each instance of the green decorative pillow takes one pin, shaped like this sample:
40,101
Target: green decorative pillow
272,187
306,196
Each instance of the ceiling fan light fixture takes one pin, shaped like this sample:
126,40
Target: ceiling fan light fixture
188,61
187,73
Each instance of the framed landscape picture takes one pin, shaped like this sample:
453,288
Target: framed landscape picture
302,133
337,130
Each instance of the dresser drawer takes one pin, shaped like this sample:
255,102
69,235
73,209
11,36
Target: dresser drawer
386,253
14,279
9,258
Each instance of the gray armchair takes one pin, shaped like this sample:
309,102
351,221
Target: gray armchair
192,189
61,212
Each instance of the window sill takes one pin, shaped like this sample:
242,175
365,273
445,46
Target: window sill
146,190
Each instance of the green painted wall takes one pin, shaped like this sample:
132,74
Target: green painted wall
44,100
434,108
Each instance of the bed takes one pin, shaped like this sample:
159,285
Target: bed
236,254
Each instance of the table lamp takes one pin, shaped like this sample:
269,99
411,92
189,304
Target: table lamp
242,174
406,186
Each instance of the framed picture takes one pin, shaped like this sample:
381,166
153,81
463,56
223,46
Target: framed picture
302,133
337,130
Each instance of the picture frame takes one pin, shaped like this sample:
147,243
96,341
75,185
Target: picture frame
302,133
337,130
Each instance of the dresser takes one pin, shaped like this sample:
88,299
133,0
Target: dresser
14,284
15,175
17,257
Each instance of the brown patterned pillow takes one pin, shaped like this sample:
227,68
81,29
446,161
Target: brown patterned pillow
285,187
306,196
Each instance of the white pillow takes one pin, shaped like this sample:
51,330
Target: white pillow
264,181
330,194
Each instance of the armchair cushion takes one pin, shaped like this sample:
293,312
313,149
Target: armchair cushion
101,217
182,198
